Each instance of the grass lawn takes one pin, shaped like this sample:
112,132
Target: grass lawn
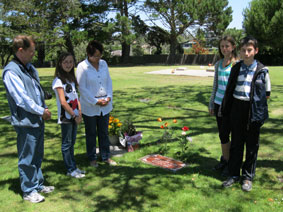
135,186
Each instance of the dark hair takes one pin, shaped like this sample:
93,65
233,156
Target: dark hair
63,75
249,40
93,46
22,41
231,40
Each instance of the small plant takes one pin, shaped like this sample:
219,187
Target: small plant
183,142
128,127
167,135
114,127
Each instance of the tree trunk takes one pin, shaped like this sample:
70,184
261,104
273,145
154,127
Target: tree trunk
41,53
126,48
173,47
158,50
8,58
125,32
69,45
3,61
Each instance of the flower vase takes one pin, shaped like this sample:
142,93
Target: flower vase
113,140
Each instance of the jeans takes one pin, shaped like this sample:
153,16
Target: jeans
69,134
92,125
30,146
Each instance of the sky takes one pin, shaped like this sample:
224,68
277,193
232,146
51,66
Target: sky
238,6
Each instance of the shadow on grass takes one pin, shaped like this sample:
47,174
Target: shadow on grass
277,165
129,186
133,185
8,136
3,103
14,185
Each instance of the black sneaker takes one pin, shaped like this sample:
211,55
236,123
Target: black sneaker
230,181
221,164
247,185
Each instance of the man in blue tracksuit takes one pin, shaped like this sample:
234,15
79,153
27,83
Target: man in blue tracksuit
245,102
28,112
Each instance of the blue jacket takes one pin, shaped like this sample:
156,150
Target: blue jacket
258,96
19,116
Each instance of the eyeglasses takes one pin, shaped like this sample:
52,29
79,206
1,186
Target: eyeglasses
96,57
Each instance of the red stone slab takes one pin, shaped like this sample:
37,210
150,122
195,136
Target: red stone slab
163,162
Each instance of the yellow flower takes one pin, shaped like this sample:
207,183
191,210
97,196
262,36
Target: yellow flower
159,119
114,125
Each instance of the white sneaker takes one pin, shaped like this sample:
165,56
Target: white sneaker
46,189
80,171
110,162
34,197
76,174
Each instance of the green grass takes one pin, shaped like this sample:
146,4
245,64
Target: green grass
134,186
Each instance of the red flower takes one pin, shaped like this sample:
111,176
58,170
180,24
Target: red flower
162,127
185,128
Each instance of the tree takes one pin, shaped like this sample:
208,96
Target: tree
179,15
6,36
123,25
263,20
46,20
93,21
157,37
57,25
237,34
19,18
5,50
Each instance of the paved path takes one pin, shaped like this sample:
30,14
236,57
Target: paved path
184,71
116,151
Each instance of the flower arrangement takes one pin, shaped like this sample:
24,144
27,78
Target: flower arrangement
128,128
114,127
130,136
